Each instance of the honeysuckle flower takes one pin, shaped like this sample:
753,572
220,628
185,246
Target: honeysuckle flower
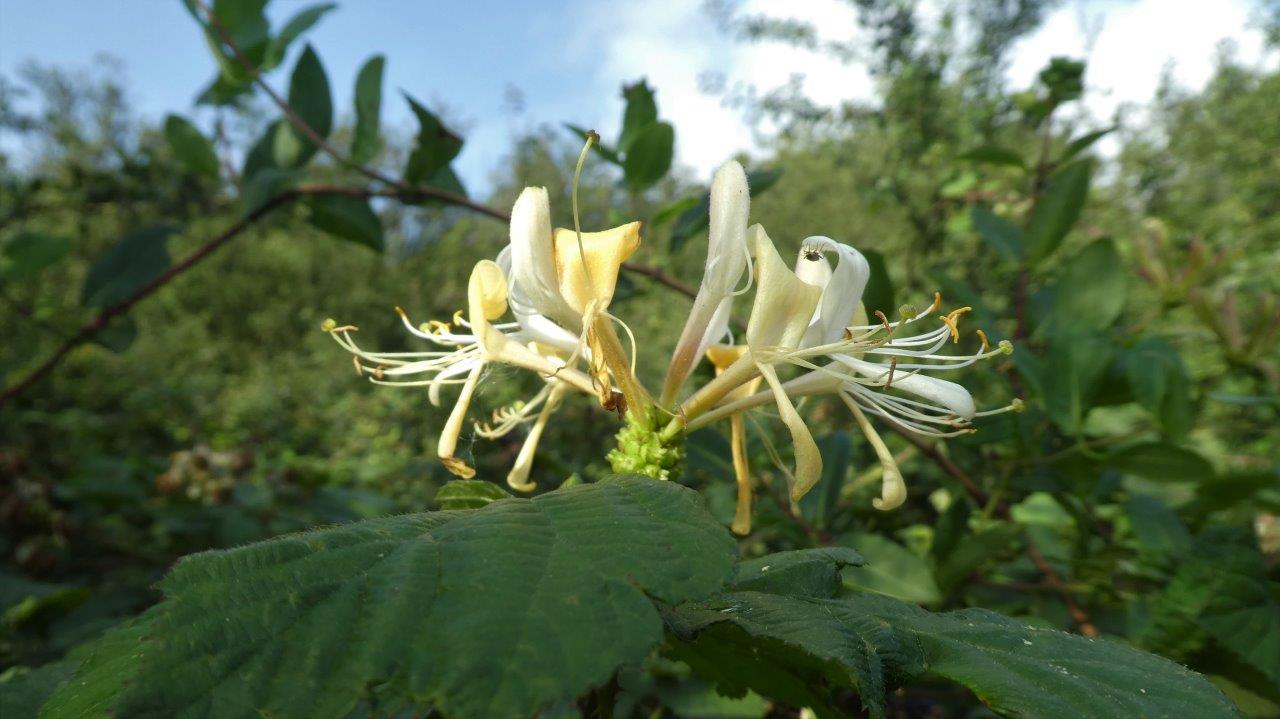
728,259
807,334
940,408
558,286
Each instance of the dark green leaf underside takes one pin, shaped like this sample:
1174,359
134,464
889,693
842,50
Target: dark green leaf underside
464,611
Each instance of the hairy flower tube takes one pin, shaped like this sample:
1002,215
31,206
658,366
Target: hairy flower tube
543,305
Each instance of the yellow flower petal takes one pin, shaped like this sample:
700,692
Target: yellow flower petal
784,303
592,273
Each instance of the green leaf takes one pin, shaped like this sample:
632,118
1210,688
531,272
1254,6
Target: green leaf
977,549
1090,292
995,155
891,570
1162,461
690,222
1084,142
601,149
191,147
434,148
1015,669
365,141
261,155
469,494
759,181
879,292
301,22
999,234
819,504
137,259
23,689
310,98
673,210
641,111
1220,591
950,529
1070,376
494,612
119,334
1057,209
649,156
1156,526
264,185
30,252
1161,384
350,218
807,572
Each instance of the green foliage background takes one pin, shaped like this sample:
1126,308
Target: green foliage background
1141,292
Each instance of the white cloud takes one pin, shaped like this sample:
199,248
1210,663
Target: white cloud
674,42
1130,44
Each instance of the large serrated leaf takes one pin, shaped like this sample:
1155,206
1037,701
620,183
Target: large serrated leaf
809,572
1015,669
494,612
1220,590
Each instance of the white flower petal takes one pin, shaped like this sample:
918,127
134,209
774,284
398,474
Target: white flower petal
842,287
950,395
533,260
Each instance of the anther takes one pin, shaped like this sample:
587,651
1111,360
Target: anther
952,319
986,346
359,369
885,321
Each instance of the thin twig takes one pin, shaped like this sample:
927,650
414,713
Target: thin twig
394,188
658,275
314,137
90,329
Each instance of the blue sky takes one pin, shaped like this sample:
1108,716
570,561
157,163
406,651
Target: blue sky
568,59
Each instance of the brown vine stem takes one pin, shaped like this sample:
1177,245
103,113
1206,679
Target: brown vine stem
405,189
982,497
89,329
314,137
395,189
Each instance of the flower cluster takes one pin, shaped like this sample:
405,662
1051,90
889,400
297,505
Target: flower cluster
807,334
